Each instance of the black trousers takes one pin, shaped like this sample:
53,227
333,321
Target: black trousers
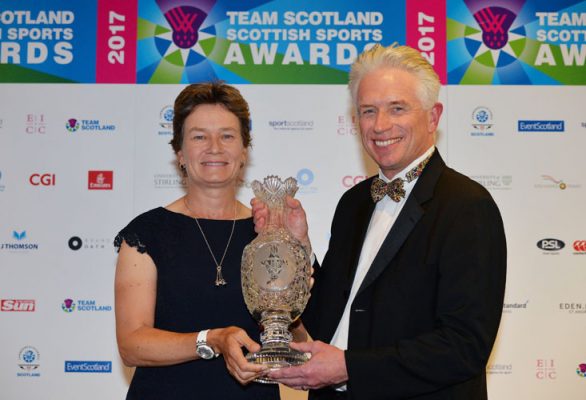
327,394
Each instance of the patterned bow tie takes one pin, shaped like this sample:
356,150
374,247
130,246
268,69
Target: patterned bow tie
394,189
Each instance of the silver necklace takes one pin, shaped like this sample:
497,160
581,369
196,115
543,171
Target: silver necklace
220,281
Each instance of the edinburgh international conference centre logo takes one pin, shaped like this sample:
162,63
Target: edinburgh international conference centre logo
516,42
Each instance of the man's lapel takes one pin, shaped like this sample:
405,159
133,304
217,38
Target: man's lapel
409,216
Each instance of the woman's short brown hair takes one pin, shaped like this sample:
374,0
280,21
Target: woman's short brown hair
209,93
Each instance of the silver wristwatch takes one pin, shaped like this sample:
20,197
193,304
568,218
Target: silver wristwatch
202,348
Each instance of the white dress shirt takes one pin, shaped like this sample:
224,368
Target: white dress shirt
382,220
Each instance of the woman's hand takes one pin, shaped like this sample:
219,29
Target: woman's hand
229,342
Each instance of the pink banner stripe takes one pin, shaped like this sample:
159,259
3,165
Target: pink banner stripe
116,41
426,32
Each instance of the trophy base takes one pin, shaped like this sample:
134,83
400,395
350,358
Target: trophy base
276,358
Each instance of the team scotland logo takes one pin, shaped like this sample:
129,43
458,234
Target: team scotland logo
72,125
68,305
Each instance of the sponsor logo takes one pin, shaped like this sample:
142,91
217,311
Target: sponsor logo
573,308
88,366
540,126
305,178
499,369
166,120
292,126
551,245
581,370
85,305
2,187
509,308
29,361
88,125
579,246
168,181
42,179
346,125
495,182
35,123
553,183
100,180
1,123
19,244
76,243
482,122
17,305
545,369
350,180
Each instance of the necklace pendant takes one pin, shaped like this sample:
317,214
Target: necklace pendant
220,281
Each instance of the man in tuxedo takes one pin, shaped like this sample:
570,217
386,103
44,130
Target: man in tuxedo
408,300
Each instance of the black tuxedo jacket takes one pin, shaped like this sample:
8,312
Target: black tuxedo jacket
425,318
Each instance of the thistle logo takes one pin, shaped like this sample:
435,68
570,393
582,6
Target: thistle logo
495,23
72,125
581,370
68,305
185,21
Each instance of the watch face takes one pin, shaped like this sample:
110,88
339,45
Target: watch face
205,352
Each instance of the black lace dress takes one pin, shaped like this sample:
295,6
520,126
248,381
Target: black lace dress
188,301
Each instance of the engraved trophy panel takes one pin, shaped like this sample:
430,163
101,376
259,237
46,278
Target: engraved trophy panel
276,270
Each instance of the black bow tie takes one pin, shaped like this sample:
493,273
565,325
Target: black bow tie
395,188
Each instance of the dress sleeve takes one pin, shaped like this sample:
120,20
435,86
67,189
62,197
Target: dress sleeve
135,234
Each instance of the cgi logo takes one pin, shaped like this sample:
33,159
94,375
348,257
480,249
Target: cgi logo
579,246
581,370
35,124
550,244
100,180
545,369
348,181
17,305
42,179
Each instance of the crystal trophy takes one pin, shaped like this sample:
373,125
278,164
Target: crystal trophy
276,270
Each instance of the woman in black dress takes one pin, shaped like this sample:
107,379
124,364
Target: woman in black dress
180,315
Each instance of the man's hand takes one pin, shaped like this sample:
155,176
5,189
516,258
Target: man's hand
295,219
326,367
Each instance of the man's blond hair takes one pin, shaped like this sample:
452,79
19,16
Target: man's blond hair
400,57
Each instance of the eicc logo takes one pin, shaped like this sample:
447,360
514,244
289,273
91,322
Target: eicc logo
551,245
14,305
35,124
100,180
